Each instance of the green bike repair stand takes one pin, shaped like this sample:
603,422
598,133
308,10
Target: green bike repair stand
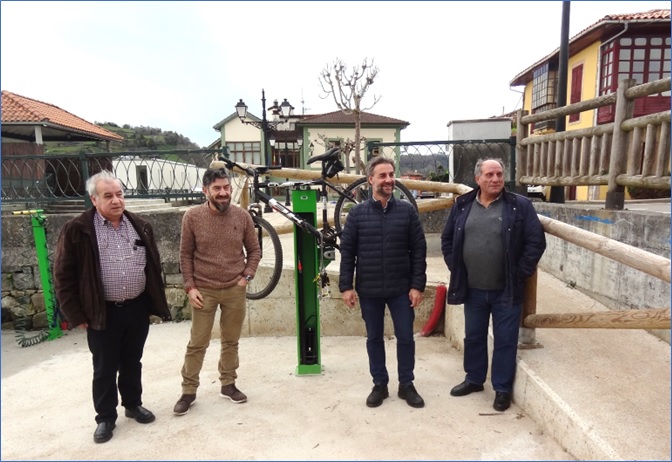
39,233
307,284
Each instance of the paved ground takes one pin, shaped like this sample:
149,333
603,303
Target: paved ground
610,389
47,412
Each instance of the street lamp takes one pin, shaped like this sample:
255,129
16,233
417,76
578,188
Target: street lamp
265,125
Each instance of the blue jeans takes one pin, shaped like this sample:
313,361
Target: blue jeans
478,306
403,315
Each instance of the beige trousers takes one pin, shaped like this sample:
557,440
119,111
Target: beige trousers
232,305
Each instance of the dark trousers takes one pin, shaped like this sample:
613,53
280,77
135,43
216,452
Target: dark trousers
478,307
403,315
118,349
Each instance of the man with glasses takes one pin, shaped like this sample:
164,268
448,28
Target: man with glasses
107,275
219,255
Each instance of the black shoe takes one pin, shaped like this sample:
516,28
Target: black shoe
103,432
465,388
377,395
502,401
140,414
411,396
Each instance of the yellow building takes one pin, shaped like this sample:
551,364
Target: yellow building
617,47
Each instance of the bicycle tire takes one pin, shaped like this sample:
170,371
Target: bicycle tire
270,266
358,192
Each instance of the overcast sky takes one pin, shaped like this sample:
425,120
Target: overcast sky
182,66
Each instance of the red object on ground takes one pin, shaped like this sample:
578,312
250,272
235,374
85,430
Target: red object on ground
437,311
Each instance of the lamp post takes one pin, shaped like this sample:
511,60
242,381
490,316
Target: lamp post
299,143
265,125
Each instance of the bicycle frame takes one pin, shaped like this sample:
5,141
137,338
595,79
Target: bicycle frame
326,237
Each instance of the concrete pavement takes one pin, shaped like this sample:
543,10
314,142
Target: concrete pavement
586,394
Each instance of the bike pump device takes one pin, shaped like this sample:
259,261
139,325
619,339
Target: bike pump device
53,319
307,285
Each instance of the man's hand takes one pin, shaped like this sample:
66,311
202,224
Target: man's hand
84,325
350,298
415,296
195,298
242,282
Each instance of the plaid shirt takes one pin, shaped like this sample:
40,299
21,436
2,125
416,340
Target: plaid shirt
123,259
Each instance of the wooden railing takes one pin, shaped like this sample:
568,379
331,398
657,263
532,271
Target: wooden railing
628,152
651,264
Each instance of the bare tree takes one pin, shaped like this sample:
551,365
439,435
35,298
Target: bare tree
348,88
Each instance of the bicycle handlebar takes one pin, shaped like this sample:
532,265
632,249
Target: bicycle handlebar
251,171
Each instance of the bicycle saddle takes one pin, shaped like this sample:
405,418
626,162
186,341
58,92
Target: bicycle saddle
331,154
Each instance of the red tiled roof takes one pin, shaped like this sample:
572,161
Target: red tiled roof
17,109
338,117
593,32
651,14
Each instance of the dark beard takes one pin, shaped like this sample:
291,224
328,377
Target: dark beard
220,207
381,192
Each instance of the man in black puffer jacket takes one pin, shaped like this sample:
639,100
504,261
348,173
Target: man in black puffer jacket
384,244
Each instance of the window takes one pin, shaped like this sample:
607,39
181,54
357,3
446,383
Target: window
248,152
575,94
544,88
638,57
288,154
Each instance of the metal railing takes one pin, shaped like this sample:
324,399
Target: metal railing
447,161
43,179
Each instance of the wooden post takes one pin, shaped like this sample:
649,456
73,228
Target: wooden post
526,335
619,152
521,159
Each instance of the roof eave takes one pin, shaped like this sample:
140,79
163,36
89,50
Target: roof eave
522,78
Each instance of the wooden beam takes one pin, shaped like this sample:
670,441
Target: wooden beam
626,319
646,262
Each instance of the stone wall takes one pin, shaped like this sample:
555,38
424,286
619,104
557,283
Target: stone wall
613,284
273,315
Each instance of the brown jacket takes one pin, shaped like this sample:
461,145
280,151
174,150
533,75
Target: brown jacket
77,280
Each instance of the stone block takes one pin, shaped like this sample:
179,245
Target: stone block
174,280
25,279
40,321
7,281
37,300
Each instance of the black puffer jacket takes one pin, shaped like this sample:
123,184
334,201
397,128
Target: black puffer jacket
387,249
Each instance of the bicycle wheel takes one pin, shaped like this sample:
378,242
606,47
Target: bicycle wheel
270,267
359,191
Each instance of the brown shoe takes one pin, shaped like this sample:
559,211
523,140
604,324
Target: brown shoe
183,404
230,391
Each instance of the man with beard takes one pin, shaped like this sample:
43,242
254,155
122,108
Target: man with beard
216,272
383,246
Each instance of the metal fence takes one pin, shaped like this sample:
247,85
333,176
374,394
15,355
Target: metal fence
43,179
447,161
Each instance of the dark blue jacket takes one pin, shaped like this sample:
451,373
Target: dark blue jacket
388,250
524,244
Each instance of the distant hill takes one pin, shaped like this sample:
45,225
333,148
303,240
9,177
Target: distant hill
135,139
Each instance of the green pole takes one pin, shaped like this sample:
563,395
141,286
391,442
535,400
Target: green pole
38,220
306,287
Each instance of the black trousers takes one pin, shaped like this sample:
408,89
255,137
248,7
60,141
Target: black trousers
118,350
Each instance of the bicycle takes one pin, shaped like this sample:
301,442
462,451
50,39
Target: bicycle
267,279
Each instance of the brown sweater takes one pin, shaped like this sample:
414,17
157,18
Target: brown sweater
211,247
